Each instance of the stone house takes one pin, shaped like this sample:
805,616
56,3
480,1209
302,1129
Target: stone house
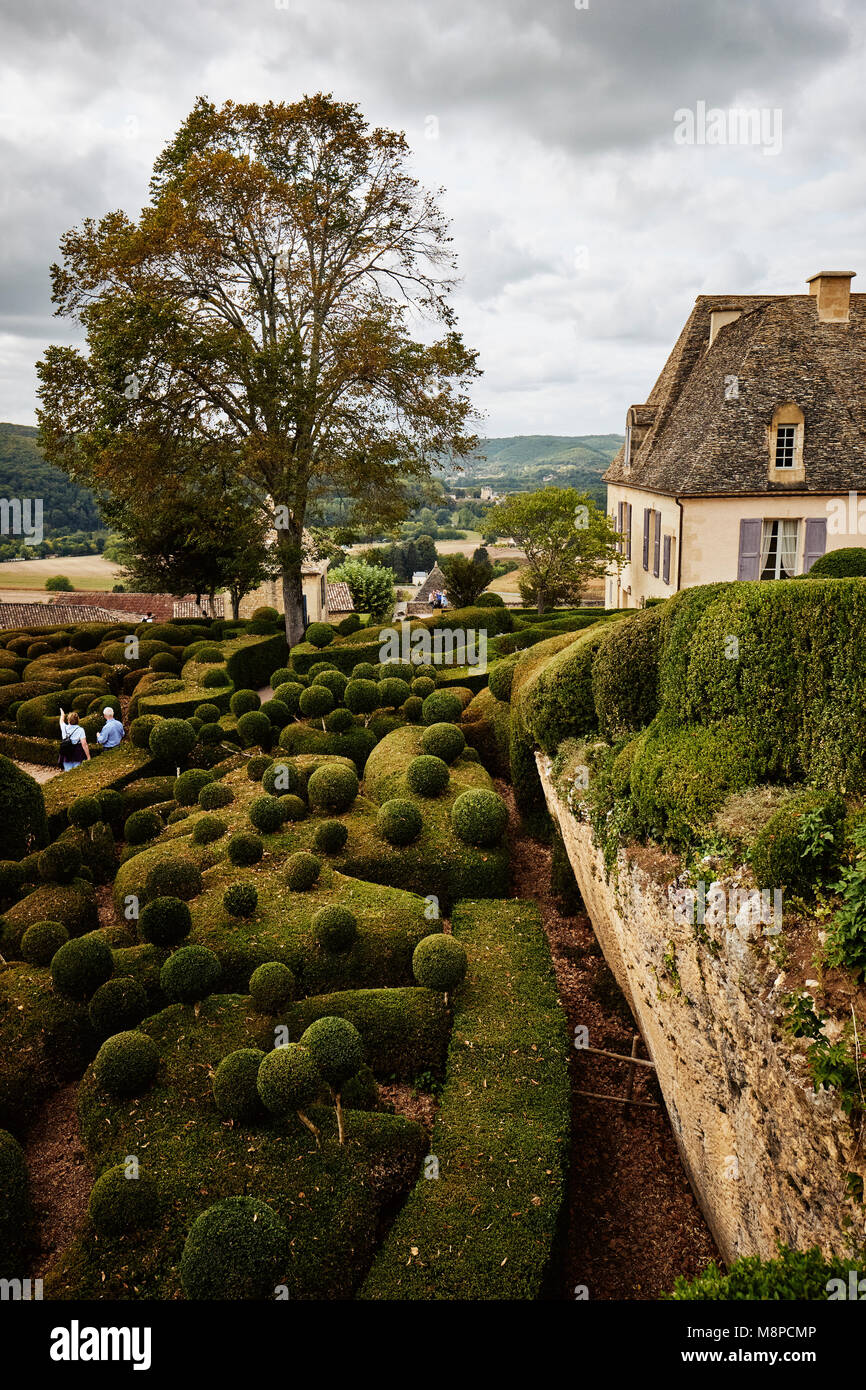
747,457
324,602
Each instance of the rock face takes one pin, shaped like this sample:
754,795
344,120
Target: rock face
767,1156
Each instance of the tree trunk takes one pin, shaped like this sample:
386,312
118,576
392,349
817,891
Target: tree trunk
291,559
339,1109
539,601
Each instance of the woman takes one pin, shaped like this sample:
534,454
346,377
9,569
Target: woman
73,741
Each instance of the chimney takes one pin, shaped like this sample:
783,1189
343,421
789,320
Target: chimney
832,289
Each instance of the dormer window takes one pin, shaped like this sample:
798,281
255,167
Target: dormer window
785,439
627,453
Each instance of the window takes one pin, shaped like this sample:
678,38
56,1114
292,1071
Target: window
657,545
628,530
646,536
786,437
666,560
779,549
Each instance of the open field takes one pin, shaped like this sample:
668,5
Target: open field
82,571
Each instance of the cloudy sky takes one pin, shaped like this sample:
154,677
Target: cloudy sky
585,221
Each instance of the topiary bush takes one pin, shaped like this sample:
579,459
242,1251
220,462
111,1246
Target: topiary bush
42,941
165,921
442,707
241,900
215,678
337,1051
365,671
234,1085
245,848
332,787
141,729
265,813
272,986
189,975
236,1249
427,775
361,695
207,829
280,777
80,966
214,796
801,844
208,713
142,826
189,784
302,871
11,880
289,696
84,812
479,817
119,1203
393,692
848,562
289,1080
60,862
399,821
439,962
172,740
126,1063
330,837
423,686
243,702
319,634
335,928
445,741
292,808
173,878
339,721
255,729
412,709
316,701
257,766
117,1005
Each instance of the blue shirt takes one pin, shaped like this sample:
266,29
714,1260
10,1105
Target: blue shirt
111,735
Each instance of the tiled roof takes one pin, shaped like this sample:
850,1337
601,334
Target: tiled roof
434,581
163,607
13,615
691,439
340,598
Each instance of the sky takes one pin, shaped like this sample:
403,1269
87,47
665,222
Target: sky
594,180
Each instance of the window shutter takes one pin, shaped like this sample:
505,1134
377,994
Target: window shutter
816,541
666,563
657,546
628,531
748,565
620,508
646,528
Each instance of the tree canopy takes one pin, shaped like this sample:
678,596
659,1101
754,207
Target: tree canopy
566,538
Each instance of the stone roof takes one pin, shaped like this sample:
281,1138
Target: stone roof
134,607
27,615
689,440
340,598
434,581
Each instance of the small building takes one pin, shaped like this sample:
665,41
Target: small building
323,602
422,603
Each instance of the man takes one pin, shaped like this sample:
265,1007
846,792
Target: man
113,732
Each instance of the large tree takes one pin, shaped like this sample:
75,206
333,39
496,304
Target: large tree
566,538
262,305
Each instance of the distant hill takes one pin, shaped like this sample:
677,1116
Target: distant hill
25,473
524,462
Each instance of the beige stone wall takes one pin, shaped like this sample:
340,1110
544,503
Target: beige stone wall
766,1155
635,584
271,594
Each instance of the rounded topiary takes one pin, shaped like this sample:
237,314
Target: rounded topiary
302,871
179,813
117,1005
280,778
427,775
172,740
501,678
442,707
215,678
84,812
42,941
236,1249
423,686
165,921
365,671
272,986
173,878
265,614
126,1063
280,677
141,729
849,562
439,962
190,974
209,655
241,900
60,862
188,785
288,1079
111,805
319,634
80,966
207,829
393,692
243,701
361,1091
245,848
335,928
165,662
332,787
411,709
361,696
335,681
257,766
292,808
316,701
289,696
339,721
255,729
319,668
278,713
234,1087
142,826
209,735
11,879
266,814
119,1203
336,1048
399,821
214,796
479,817
208,713
346,626
330,836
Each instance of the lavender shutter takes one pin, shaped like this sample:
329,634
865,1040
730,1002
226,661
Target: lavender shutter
666,562
816,541
749,562
628,531
657,547
646,525
620,507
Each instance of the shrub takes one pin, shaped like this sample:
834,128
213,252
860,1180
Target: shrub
117,1005
335,928
319,634
292,808
172,740
361,695
393,692
60,862
141,729
412,708
280,677
142,826
236,1249
245,848
333,680
42,941
681,775
289,1080
439,962
800,844
189,784
84,812
23,826
243,702
316,701
332,787
126,1063
241,900
255,728
795,1275
11,879
302,871
339,721
490,600
178,814
214,795
399,822
423,686
479,817
257,766
280,777
442,707
351,623
330,836
165,921
234,1087
208,655
272,986
209,714
361,1091
80,966
289,696
265,614
445,741
849,562
337,1050
119,1203
209,735
190,974
266,814
317,669
111,805
164,661
213,679
427,775
278,713
365,671
173,878
501,676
